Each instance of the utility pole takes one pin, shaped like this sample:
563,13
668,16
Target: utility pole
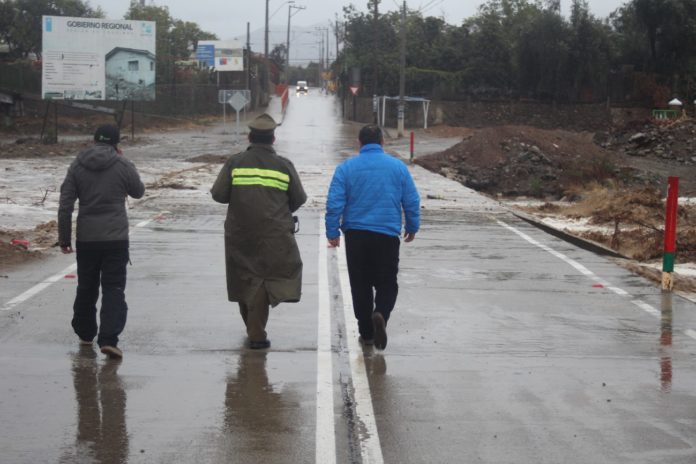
321,56
265,43
248,60
287,42
375,49
337,30
323,63
402,74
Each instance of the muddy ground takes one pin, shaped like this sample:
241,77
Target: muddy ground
18,246
22,141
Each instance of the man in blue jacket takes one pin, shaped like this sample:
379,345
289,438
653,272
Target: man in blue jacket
367,197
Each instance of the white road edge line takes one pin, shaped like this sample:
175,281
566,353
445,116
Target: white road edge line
41,286
38,288
639,303
325,428
370,447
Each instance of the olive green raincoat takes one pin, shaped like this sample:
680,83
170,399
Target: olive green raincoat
262,190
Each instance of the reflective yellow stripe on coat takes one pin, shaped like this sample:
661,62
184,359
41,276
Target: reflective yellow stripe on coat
263,177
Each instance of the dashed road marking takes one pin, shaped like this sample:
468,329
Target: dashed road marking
648,308
41,286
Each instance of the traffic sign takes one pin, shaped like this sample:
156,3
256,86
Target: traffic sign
238,101
354,89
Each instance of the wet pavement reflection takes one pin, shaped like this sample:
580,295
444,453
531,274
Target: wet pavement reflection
666,325
100,397
256,410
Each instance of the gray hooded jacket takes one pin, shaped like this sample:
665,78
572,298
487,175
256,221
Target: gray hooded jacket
101,179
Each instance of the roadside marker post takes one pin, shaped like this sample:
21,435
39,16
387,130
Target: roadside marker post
412,145
670,248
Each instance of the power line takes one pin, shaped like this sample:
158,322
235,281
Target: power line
431,5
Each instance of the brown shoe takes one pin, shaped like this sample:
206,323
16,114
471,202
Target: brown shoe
380,330
112,352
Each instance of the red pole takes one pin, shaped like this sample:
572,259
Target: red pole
412,148
670,247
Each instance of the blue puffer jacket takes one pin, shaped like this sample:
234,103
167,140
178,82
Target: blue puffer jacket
369,192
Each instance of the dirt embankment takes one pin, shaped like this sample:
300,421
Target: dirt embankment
630,221
513,161
25,148
523,161
614,182
85,122
19,246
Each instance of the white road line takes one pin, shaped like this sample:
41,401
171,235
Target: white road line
38,288
325,431
370,447
647,308
41,286
639,303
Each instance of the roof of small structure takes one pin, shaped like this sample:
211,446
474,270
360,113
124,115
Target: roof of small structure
131,50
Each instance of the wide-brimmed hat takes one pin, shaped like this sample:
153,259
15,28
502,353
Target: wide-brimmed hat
263,124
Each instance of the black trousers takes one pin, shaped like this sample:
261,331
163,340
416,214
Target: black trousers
373,264
103,266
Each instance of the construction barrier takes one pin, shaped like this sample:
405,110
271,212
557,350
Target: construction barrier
283,93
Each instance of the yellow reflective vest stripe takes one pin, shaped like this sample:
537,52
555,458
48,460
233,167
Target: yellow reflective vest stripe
263,177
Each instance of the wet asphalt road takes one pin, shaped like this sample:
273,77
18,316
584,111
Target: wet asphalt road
506,346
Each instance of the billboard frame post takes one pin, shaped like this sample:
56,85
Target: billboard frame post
45,118
237,129
119,118
45,139
132,121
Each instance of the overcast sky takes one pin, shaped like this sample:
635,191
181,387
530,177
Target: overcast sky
228,18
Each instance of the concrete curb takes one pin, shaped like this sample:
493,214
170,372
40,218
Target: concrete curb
583,243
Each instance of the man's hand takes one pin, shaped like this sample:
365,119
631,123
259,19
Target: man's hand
335,242
409,236
66,249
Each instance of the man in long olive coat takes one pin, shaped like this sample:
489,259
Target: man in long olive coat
262,190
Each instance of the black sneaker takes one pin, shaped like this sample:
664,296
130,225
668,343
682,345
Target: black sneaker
380,330
261,345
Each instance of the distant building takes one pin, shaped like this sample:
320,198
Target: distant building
130,74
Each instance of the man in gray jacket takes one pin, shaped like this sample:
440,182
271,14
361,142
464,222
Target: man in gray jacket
101,179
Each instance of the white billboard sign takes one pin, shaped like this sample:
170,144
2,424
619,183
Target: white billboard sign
98,59
228,54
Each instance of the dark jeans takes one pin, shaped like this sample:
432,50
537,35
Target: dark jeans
106,266
373,264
